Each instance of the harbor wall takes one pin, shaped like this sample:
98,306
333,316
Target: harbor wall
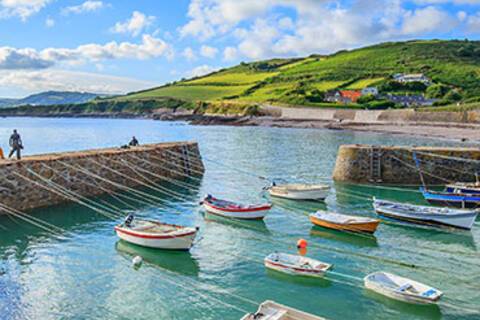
20,186
395,165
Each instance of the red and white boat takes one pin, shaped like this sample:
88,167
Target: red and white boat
157,235
230,209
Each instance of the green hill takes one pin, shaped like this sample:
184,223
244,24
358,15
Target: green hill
453,66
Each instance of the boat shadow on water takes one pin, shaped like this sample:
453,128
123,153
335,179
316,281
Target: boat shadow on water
429,311
180,262
303,206
445,235
299,280
254,225
357,239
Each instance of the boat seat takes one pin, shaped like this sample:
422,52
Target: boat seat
275,314
405,287
429,293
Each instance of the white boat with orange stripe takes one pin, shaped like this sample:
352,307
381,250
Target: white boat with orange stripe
296,265
229,209
157,235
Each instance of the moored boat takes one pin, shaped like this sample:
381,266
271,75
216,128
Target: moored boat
402,289
299,191
453,198
229,209
344,222
296,265
426,215
154,234
270,310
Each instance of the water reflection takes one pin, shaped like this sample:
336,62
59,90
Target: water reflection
176,261
361,240
299,280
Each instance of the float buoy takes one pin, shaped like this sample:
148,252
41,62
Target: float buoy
137,261
302,244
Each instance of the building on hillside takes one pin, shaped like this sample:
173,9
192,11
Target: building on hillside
414,77
410,101
343,96
370,90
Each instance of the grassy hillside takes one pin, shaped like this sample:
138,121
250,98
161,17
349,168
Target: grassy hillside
454,65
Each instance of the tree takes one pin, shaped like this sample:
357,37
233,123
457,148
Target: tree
366,99
437,91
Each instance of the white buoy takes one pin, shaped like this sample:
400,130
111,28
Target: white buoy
137,261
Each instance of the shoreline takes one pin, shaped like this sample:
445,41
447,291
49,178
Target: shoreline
462,132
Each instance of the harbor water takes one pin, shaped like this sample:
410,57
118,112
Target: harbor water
87,273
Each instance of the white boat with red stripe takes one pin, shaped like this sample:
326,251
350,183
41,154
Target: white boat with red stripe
296,265
154,234
229,209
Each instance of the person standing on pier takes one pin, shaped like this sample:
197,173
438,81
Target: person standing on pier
15,144
133,142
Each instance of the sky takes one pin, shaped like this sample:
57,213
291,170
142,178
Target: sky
122,46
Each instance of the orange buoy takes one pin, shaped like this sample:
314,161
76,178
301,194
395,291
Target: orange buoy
302,244
302,251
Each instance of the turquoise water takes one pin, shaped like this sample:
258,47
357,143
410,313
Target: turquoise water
86,273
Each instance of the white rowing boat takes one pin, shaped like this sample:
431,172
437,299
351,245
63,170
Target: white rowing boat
299,191
270,310
157,235
229,209
296,265
344,222
426,215
402,289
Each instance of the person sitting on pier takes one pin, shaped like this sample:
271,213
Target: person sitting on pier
133,142
15,144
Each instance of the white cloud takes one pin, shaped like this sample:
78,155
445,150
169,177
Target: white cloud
21,8
286,23
49,22
230,53
87,6
201,71
62,80
208,52
189,54
473,23
135,25
26,58
427,20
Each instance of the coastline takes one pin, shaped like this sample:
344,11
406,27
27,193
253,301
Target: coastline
463,132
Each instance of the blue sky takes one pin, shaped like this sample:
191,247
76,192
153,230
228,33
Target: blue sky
123,45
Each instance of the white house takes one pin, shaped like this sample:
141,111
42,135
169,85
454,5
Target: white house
414,77
370,90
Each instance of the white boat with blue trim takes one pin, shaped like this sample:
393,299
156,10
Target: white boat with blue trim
426,215
270,310
403,289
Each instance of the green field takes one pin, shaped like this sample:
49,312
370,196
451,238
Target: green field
455,64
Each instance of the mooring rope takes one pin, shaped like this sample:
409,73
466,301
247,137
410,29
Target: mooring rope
52,226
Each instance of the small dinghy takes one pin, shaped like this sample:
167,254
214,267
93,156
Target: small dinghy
344,222
155,234
402,289
270,310
230,209
425,215
299,191
453,196
296,265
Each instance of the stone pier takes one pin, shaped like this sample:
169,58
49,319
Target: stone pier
366,164
176,160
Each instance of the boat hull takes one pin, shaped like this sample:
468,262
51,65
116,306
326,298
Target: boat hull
317,194
469,201
462,222
397,295
367,227
256,214
278,267
178,242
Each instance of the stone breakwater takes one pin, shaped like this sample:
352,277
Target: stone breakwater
90,173
367,164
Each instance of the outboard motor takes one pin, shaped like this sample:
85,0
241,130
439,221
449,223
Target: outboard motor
128,220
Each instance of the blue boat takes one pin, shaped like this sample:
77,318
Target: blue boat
452,198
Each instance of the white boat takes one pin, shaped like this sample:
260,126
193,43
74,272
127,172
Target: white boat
459,218
402,289
157,235
344,222
296,265
270,310
299,191
229,209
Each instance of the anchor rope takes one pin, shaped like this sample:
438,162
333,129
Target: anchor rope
171,163
26,215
